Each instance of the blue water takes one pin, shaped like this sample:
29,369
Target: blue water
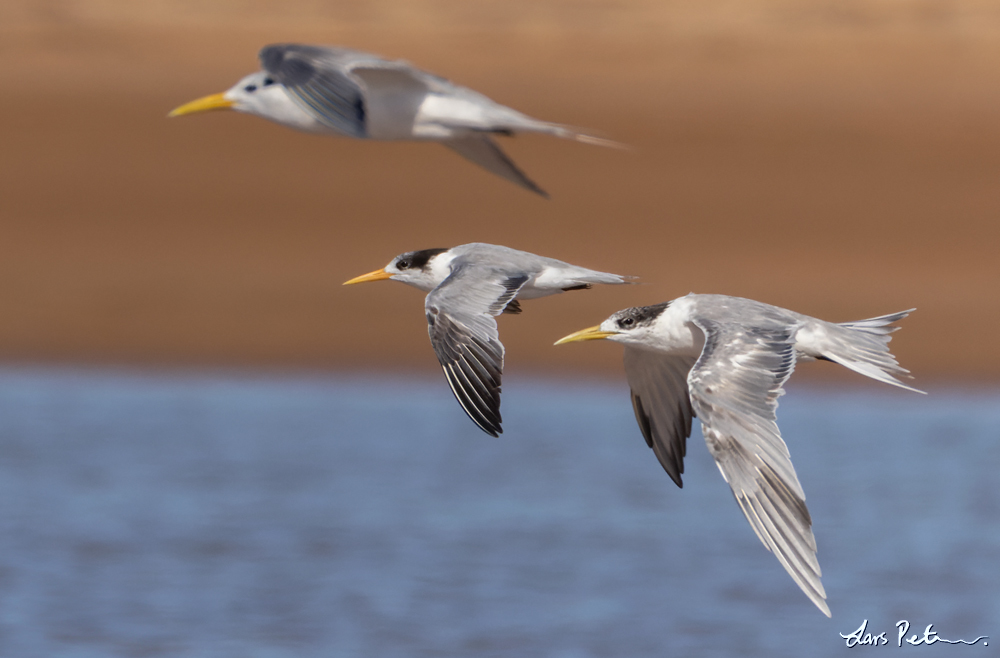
277,516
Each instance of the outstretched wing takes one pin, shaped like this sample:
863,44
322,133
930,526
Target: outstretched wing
479,148
662,405
463,331
735,385
317,78
354,93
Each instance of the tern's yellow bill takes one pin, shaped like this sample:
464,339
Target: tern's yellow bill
377,275
204,104
590,333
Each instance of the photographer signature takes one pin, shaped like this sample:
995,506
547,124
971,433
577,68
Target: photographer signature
930,636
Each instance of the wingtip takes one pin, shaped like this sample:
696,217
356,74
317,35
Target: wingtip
493,429
903,385
528,184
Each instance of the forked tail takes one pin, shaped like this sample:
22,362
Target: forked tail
863,346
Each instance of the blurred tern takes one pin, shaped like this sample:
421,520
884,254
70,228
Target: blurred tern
351,93
725,360
468,287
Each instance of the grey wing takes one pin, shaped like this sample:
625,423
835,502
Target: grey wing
319,80
355,93
662,406
463,332
735,385
483,151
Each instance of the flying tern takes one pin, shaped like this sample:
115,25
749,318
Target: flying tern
468,286
338,91
725,360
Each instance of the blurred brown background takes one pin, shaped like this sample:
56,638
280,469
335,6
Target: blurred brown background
840,158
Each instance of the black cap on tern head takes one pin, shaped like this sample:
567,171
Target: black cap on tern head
639,316
416,260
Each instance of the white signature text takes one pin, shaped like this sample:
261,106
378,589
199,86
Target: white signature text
863,637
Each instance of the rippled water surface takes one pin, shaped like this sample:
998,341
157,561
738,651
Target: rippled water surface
192,515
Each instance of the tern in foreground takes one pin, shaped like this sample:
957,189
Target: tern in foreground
468,287
351,93
725,360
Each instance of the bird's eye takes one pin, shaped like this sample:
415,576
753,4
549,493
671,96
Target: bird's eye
626,322
403,264
250,88
268,81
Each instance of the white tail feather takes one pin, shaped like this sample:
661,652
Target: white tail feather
600,141
567,132
878,325
863,346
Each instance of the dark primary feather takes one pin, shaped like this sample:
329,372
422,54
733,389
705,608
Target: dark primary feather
513,307
330,94
662,406
510,287
463,333
472,366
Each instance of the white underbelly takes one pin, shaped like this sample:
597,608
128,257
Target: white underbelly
443,117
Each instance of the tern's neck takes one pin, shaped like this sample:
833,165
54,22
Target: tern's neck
675,333
431,274
439,267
